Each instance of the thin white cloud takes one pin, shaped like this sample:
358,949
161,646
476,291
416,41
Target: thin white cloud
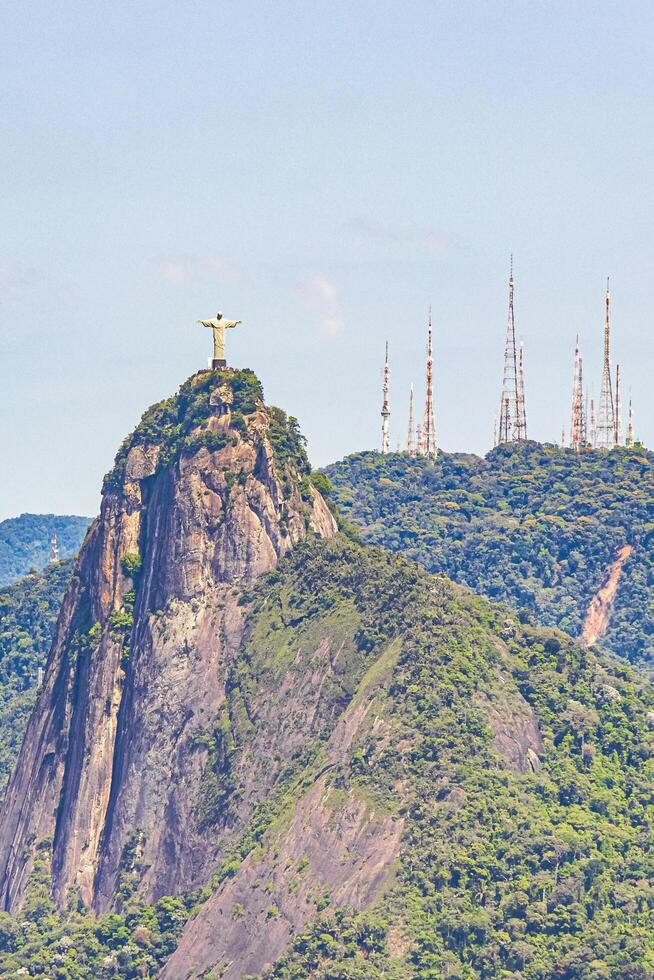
8,276
176,273
181,272
380,231
321,295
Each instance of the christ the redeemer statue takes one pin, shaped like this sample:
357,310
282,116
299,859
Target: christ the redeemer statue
219,325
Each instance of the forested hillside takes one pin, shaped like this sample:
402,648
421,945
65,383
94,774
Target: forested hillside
28,614
533,526
481,788
25,542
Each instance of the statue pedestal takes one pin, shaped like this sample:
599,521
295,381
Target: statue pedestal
217,363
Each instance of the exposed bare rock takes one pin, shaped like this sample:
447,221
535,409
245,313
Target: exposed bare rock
599,611
136,671
516,735
345,851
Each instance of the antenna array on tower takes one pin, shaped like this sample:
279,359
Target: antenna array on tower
429,445
386,411
605,432
589,429
513,420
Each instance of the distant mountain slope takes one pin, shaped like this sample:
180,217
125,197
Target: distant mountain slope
534,526
25,542
402,781
28,614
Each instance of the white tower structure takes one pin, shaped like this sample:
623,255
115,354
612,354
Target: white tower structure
386,410
605,430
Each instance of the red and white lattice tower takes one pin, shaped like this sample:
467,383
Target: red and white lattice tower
420,446
386,410
617,427
410,437
577,421
429,444
605,431
513,425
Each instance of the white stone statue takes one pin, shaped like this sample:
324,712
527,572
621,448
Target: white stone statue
219,325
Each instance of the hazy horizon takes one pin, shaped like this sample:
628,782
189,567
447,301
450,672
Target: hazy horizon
323,174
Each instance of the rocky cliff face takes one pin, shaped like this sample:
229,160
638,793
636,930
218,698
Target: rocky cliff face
206,495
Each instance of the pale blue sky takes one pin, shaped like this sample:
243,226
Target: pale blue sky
322,171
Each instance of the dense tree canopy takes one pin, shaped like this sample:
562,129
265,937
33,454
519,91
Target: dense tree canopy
25,542
533,526
28,614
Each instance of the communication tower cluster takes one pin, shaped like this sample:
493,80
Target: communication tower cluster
589,428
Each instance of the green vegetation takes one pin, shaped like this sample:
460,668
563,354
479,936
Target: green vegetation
533,526
503,872
511,864
28,614
76,946
176,424
131,564
25,542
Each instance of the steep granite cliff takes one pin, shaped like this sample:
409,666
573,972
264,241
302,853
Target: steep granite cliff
210,490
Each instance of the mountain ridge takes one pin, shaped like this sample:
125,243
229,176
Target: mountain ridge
25,542
531,525
265,748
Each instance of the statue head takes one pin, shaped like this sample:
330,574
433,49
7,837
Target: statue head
219,315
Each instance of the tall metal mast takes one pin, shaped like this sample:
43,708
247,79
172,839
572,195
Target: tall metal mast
617,427
606,419
522,411
577,423
54,547
386,411
410,445
582,407
430,447
630,426
512,424
592,426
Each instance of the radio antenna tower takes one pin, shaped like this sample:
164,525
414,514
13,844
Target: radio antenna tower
618,421
605,433
630,425
512,424
410,448
419,443
583,407
592,425
54,547
430,447
577,423
522,411
386,411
